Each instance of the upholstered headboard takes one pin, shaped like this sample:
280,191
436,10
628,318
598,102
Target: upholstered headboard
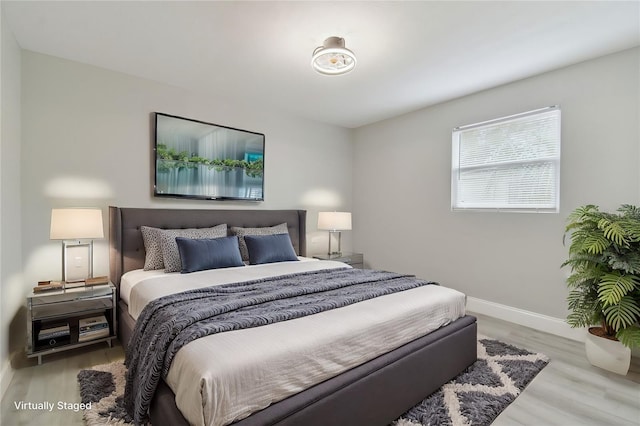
126,247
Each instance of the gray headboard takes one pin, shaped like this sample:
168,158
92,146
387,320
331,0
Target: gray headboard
126,248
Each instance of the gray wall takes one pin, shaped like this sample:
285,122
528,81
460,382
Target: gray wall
402,180
11,288
86,142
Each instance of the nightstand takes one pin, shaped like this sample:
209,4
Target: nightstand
54,316
356,260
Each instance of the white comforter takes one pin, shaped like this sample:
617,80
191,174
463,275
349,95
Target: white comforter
225,377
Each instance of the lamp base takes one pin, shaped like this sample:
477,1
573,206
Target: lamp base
77,260
334,252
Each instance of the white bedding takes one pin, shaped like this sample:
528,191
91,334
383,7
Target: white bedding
222,378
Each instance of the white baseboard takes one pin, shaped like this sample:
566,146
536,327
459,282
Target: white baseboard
529,319
5,378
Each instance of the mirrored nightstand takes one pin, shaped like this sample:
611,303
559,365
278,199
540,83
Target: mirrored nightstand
54,319
356,260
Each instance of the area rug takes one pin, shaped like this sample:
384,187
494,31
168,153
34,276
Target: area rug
476,397
480,393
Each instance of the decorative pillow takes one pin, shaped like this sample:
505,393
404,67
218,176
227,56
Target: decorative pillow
270,248
153,250
170,254
208,253
242,232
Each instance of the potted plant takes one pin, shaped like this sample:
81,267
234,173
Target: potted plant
604,283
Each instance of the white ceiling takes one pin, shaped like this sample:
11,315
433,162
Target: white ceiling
410,54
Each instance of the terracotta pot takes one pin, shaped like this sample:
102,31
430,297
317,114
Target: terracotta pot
607,354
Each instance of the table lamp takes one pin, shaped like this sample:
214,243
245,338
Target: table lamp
334,222
74,227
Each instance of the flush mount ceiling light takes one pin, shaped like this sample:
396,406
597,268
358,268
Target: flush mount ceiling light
332,58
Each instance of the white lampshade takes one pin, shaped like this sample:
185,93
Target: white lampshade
74,224
334,221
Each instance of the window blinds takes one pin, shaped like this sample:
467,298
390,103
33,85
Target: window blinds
512,163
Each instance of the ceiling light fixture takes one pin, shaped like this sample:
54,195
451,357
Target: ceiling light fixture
332,58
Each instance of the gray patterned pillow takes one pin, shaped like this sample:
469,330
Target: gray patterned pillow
170,253
153,251
269,230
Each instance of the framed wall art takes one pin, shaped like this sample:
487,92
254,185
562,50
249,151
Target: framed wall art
195,159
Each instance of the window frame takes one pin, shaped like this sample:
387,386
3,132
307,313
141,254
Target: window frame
491,206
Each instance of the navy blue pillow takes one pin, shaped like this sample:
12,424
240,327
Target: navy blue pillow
269,248
208,253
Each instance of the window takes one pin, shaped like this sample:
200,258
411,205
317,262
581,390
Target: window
511,163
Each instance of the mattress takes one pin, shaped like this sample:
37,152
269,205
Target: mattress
225,377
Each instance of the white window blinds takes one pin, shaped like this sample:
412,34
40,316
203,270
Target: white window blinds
511,163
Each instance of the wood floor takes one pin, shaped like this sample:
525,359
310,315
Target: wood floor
568,392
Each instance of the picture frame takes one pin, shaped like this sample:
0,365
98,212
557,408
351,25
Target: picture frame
199,160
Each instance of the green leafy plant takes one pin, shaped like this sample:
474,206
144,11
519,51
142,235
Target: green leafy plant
171,159
604,284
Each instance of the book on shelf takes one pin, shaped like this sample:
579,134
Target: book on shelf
93,334
92,328
47,336
96,281
74,284
51,285
53,328
93,322
50,332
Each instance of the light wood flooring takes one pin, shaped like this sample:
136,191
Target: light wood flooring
568,392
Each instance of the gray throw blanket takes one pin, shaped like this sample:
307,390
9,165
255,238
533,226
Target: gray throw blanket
168,323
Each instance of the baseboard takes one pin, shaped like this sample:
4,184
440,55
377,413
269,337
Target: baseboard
5,378
530,319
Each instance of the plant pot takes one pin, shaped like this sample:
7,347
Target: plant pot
607,354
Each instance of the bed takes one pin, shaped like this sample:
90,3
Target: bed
371,393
